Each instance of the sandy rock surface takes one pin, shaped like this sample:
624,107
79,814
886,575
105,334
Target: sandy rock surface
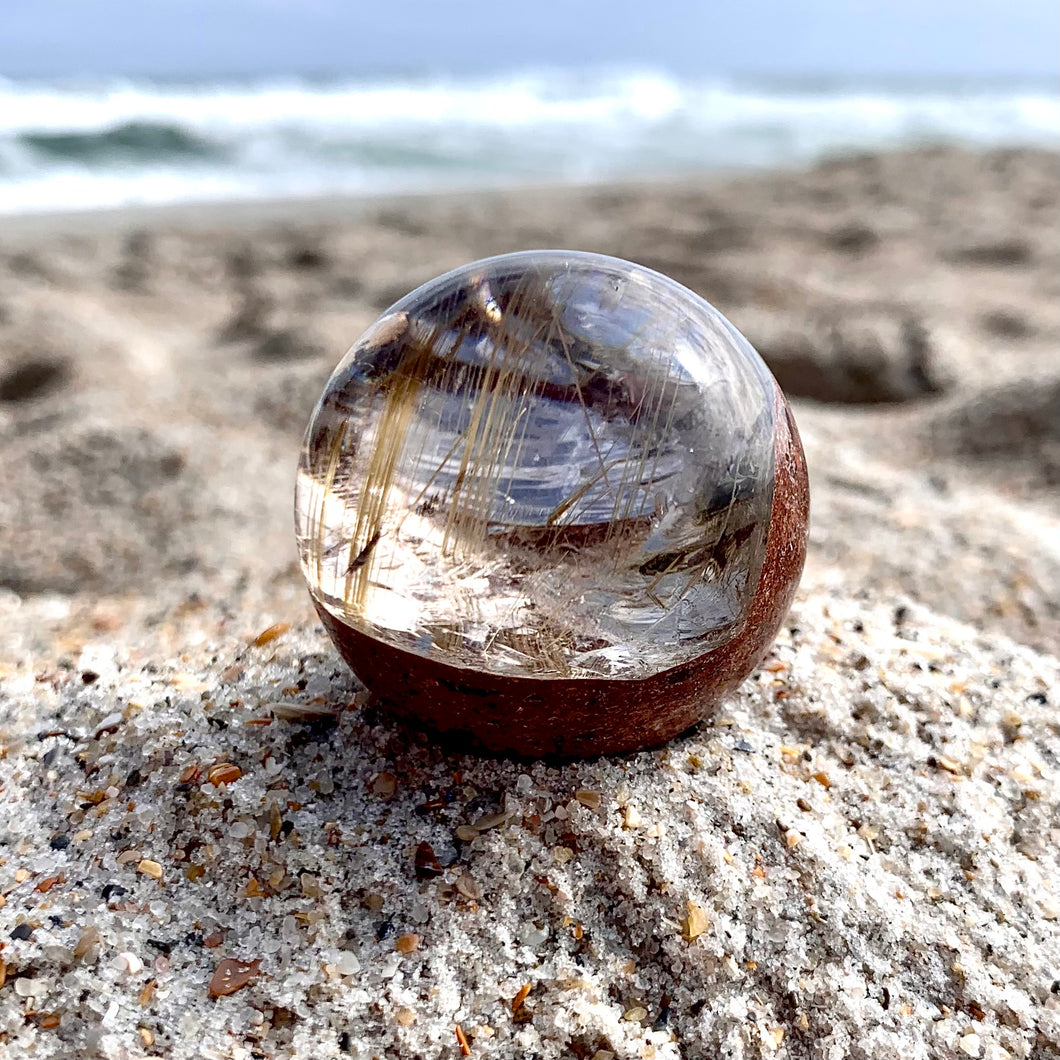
211,845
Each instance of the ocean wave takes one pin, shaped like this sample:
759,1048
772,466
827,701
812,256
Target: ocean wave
129,141
111,143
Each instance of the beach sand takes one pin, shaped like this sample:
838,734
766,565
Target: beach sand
859,857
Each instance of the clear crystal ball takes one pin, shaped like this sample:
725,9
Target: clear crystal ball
546,464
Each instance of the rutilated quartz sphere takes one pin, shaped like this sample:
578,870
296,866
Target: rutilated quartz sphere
552,503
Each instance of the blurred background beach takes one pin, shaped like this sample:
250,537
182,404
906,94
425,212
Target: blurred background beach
110,104
202,205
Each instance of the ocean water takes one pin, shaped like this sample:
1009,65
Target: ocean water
66,145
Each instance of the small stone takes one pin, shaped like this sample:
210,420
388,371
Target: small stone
427,864
533,935
407,943
223,773
405,1017
383,785
520,997
109,724
146,1037
631,818
22,932
309,713
489,820
466,833
695,923
88,939
347,963
26,987
462,1042
232,975
190,774
468,887
273,632
636,1014
591,799
150,868
969,1044
128,963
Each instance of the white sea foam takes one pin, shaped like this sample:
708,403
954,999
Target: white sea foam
120,142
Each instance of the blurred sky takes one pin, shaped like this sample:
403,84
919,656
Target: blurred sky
197,38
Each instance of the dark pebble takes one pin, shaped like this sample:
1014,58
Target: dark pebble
33,379
22,932
286,344
1005,324
112,890
853,238
1003,252
306,257
59,842
427,864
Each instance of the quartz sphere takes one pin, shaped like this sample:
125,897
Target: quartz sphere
552,502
